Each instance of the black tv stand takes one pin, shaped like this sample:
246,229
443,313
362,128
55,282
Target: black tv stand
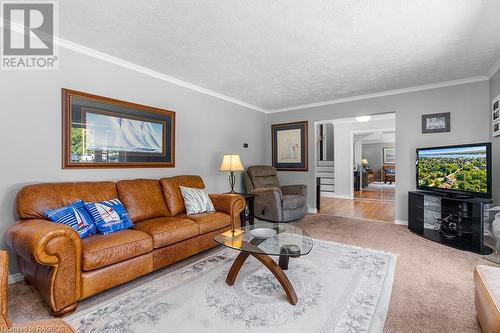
451,220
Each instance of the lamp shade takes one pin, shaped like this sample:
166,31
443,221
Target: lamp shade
231,162
364,161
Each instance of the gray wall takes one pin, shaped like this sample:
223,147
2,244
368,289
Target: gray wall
494,92
469,107
30,127
373,153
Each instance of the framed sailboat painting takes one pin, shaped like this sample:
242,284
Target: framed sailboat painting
101,132
289,143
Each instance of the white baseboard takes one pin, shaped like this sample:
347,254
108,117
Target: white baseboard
311,210
15,278
327,195
401,222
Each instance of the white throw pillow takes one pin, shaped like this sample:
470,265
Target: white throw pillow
196,200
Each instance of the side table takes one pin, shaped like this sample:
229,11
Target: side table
247,216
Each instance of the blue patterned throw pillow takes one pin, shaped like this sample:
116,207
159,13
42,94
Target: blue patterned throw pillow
74,216
109,216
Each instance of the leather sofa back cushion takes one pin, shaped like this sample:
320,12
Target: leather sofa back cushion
142,198
172,192
33,200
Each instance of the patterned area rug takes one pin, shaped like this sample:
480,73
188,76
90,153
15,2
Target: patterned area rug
340,289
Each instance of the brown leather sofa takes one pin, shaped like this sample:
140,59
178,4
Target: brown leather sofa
51,325
66,269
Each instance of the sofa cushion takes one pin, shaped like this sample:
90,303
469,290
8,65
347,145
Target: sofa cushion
33,200
168,230
208,222
293,201
142,198
109,216
75,216
104,250
172,193
196,200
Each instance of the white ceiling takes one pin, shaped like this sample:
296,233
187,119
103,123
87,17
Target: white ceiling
278,54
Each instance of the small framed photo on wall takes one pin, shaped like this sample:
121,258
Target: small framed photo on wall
495,116
436,123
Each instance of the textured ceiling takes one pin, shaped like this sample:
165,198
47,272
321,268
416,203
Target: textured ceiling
276,54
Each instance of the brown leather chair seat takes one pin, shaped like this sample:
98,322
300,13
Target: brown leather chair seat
168,230
208,222
104,250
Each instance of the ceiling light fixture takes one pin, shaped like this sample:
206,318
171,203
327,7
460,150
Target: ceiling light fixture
363,119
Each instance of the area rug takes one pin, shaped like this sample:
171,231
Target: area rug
340,289
382,185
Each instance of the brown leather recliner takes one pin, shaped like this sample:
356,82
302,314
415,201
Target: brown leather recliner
275,202
52,325
66,269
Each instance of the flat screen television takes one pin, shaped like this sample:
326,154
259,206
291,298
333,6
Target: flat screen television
461,170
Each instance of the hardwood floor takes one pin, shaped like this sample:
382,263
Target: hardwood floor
359,208
376,193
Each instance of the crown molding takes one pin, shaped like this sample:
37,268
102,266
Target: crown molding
146,71
494,69
384,93
143,70
137,68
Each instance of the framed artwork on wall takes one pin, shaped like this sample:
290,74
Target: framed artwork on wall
101,132
495,116
289,146
436,123
389,155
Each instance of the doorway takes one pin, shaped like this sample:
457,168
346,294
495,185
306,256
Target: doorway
359,178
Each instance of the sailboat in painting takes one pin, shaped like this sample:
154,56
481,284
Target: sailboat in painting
123,134
135,135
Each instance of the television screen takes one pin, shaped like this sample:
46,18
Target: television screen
464,168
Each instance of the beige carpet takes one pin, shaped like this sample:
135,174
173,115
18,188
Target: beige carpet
433,287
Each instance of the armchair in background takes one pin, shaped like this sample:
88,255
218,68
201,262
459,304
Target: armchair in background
275,202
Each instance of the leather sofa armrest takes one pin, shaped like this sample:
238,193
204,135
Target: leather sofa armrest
58,246
32,240
232,204
294,189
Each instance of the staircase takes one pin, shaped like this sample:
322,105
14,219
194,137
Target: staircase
324,170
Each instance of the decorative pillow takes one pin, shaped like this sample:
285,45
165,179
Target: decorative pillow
196,200
75,216
390,171
109,216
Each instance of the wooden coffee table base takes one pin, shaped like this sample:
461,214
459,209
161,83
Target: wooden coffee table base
271,265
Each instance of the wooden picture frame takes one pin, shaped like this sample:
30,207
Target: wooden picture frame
102,132
436,123
389,155
290,146
495,116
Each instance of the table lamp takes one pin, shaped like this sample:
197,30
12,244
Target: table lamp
231,163
364,163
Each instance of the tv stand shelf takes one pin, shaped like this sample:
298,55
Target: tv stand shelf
454,221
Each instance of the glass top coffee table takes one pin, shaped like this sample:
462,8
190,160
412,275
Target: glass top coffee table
263,241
